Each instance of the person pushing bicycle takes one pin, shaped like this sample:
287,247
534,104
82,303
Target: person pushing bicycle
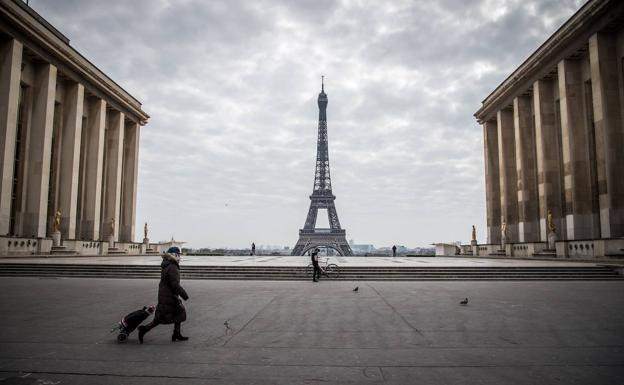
317,270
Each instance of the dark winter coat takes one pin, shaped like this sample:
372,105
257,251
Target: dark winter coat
170,308
314,258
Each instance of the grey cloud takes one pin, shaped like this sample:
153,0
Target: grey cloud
228,155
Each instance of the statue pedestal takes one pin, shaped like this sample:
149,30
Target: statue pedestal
111,241
475,248
56,238
552,238
146,241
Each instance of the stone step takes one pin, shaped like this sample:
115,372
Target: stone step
547,251
289,272
273,271
355,268
116,251
342,272
62,250
373,278
299,273
157,272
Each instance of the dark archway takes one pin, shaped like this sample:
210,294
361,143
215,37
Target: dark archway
308,248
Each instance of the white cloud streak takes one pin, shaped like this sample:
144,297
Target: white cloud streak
228,155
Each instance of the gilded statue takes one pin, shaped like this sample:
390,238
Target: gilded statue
112,226
504,228
145,230
474,233
551,223
56,225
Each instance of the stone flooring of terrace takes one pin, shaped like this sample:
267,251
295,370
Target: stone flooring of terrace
200,260
56,331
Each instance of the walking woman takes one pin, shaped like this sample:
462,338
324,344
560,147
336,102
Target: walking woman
170,308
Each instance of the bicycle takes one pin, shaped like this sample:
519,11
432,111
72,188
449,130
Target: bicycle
330,270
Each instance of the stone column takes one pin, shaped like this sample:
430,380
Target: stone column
39,152
547,143
129,183
90,226
112,189
528,225
580,220
609,134
70,158
508,174
492,182
10,74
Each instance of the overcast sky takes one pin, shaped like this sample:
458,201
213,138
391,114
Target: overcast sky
228,155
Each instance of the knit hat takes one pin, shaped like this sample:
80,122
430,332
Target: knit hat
174,250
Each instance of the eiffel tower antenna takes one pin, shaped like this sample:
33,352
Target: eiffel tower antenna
322,197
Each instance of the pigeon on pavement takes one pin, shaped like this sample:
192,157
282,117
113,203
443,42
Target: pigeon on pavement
356,288
464,302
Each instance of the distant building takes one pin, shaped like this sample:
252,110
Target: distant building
163,246
362,249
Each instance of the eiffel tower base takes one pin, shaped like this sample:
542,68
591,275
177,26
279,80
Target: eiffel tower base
309,240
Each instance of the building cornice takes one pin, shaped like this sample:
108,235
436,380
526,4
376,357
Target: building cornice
539,62
50,41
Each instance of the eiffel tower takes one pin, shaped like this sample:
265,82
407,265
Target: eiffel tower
322,197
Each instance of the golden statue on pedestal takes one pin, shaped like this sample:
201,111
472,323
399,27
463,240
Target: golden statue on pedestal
550,222
474,233
56,225
112,226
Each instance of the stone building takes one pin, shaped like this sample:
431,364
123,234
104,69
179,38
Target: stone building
69,143
554,141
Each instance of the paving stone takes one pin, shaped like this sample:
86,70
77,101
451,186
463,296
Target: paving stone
303,333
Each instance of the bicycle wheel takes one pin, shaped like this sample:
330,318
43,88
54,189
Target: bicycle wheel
332,271
309,270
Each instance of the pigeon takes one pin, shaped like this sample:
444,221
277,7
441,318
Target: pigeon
464,302
227,325
356,288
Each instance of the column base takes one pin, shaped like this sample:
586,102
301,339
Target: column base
552,239
56,239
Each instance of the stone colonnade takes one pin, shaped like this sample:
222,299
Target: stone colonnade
62,147
559,146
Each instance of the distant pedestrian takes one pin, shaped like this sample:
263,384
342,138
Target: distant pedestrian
253,248
317,270
394,250
169,309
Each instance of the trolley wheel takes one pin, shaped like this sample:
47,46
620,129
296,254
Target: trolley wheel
332,271
122,337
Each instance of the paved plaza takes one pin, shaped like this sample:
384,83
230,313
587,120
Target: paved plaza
272,260
56,331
